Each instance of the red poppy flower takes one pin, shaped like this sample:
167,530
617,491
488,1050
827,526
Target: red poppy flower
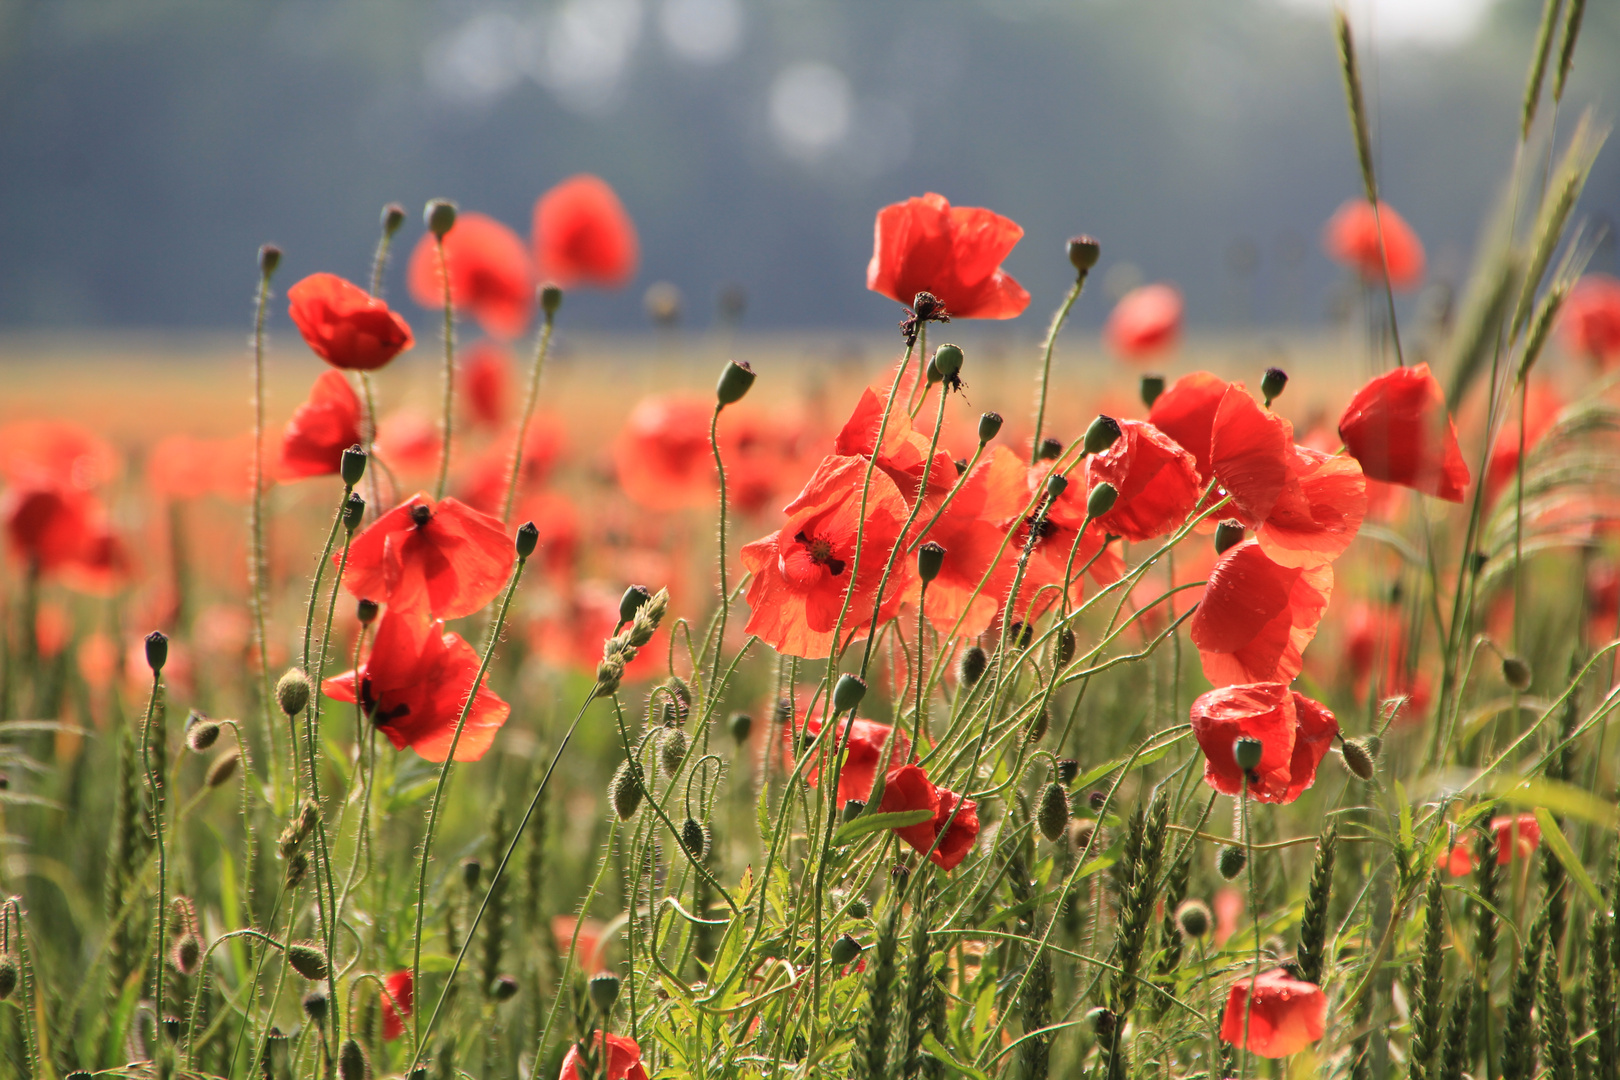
926,245
483,485
484,376
1458,862
1186,413
1516,835
802,572
1352,237
905,449
584,236
398,1000
1375,642
1056,554
908,788
971,531
761,455
1295,733
63,531
563,929
865,740
1589,320
345,325
1257,617
1156,479
445,560
1397,426
623,1060
663,456
1145,323
180,467
1319,511
413,686
1250,450
1286,1017
490,275
409,442
55,451
321,429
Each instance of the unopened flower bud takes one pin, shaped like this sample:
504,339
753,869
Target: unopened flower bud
672,749
1272,383
1516,673
1084,251
292,692
1228,534
1193,918
222,768
845,950
970,668
631,601
1038,726
735,380
187,954
1097,800
1056,485
528,536
551,297
1104,1022
314,1003
366,611
352,1063
1103,433
269,259
1053,816
1066,646
440,216
1051,449
989,426
354,511
1101,500
352,466
1231,861
624,792
1152,387
1067,770
741,725
604,991
201,733
8,974
472,871
853,809
157,650
1359,758
1021,634
946,363
308,960
848,692
695,837
1247,752
930,558
504,988
393,218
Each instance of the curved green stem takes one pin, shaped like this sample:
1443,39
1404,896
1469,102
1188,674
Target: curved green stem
1058,319
448,421
529,401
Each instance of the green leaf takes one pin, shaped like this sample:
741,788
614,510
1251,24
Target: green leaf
1092,775
943,1056
1560,798
1407,842
1555,838
871,823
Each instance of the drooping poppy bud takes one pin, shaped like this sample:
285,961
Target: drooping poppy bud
1193,918
352,1063
222,768
930,560
1516,673
1231,861
201,733
314,1002
989,426
625,791
853,809
741,725
292,692
672,749
695,838
970,668
1067,770
735,381
440,217
1358,758
157,650
308,960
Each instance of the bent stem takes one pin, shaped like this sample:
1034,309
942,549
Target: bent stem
529,402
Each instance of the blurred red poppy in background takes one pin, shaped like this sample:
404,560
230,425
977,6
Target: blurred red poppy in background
864,740
321,429
445,560
584,236
414,684
623,1060
662,453
1541,408
1352,238
61,531
1375,644
1397,426
1589,321
1186,413
484,377
1145,323
408,442
345,325
490,275
1257,617
397,1003
927,245
1294,732
802,571
483,483
55,451
182,466
908,788
1517,835
1286,1017
1157,482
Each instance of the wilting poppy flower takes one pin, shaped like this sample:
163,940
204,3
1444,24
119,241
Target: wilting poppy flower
413,686
1516,835
1145,323
864,739
1186,413
1287,1015
1156,479
345,325
623,1060
1257,617
55,451
321,428
484,376
1295,733
904,451
926,245
398,1000
490,275
663,456
908,788
802,572
1397,426
1352,237
445,560
1589,320
584,236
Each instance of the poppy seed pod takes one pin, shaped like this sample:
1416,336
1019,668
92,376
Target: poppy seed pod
8,975
1152,387
1231,861
269,259
741,725
928,306
201,733
504,988
308,960
624,791
1516,673
1228,534
848,692
222,768
845,950
1084,251
1247,752
1056,485
354,509
352,1063
187,953
736,378
1272,383
632,600
1358,758
393,218
551,297
352,466
1053,816
1051,449
366,612
440,217
695,837
970,668
1103,433
314,1005
853,809
672,749
1193,918
1101,500
292,692
989,426
1067,769
604,991
157,650
528,537
930,558
947,361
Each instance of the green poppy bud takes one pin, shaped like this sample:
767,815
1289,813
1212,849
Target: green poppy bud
1152,387
672,749
741,725
1247,752
1101,500
308,960
354,510
1231,861
695,838
735,380
1053,816
1359,759
1067,770
1272,383
269,259
1056,485
845,950
440,216
352,466
1103,433
551,298
853,809
604,991
624,791
632,600
528,536
366,612
1193,918
157,650
1084,251
292,692
947,361
314,1003
930,558
989,426
848,692
1516,673
1228,534
970,668
1051,449
352,1063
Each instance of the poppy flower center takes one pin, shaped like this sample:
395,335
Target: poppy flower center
421,514
820,551
369,703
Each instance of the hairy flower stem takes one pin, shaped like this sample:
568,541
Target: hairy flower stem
541,348
448,420
154,782
438,794
257,570
725,592
1059,317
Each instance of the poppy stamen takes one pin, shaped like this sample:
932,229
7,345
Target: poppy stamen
421,514
821,553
